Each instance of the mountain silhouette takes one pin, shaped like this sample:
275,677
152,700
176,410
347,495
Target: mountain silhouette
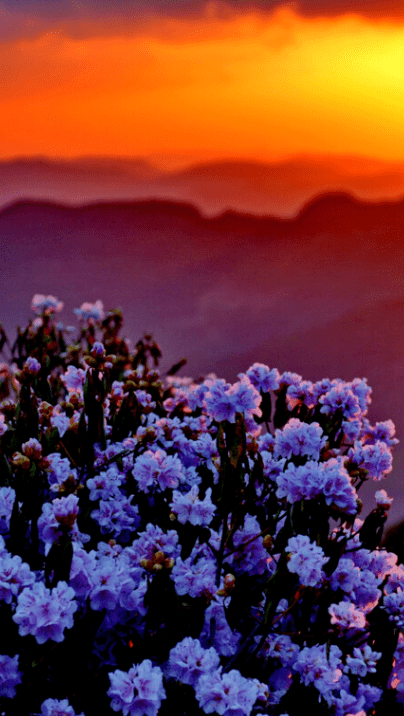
261,188
321,294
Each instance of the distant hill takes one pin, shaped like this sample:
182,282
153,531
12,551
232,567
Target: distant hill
278,188
321,294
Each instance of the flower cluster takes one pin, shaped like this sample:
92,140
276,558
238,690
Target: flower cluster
196,545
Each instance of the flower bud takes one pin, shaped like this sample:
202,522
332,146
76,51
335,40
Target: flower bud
129,386
32,449
31,366
45,411
21,461
268,542
169,563
157,567
172,516
159,557
146,564
98,350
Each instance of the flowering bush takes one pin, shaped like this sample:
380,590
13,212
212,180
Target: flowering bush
170,546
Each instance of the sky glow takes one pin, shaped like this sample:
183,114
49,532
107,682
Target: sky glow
215,84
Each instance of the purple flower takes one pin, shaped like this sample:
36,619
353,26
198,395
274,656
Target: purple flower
31,366
90,312
3,424
49,304
346,616
383,500
306,560
82,566
105,585
363,661
54,707
253,557
188,661
302,393
194,578
383,431
376,458
138,691
151,541
317,670
7,498
226,694
394,606
340,396
10,676
157,468
226,641
59,470
117,516
45,613
298,438
346,577
59,514
189,508
278,646
74,378
362,390
14,576
98,349
223,400
262,378
106,484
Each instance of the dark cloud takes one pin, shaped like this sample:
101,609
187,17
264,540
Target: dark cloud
63,9
28,18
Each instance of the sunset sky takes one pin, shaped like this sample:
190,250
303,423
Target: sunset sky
257,80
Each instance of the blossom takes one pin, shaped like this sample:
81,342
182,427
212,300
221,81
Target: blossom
59,470
306,559
376,458
298,438
10,676
340,396
189,508
73,379
7,498
278,646
194,578
346,576
56,707
383,500
49,304
363,661
228,693
117,515
346,616
251,557
3,424
226,640
14,576
138,691
188,661
31,366
45,613
60,513
157,468
262,378
32,449
90,312
223,400
316,669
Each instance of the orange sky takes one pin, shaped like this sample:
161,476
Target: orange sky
244,86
